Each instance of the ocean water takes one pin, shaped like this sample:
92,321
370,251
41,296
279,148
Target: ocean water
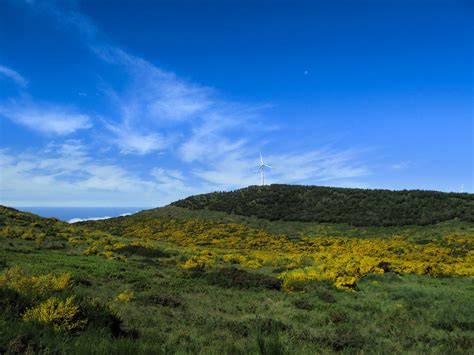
76,214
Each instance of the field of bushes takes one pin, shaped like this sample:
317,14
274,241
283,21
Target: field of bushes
174,280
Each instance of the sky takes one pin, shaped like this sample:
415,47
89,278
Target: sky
140,103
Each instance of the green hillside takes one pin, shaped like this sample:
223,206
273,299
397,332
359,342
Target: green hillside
14,223
358,207
28,226
178,281
149,219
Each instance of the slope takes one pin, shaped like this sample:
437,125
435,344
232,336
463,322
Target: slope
358,207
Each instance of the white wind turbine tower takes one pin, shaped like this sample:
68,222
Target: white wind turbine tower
262,170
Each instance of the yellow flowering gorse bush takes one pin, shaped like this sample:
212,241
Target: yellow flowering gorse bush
21,281
341,260
124,297
62,315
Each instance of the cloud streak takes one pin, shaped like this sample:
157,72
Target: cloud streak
66,174
160,102
46,118
14,76
240,168
156,106
132,141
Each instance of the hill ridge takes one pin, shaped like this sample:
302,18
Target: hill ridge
358,207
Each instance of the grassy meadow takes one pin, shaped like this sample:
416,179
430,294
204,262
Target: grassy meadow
174,280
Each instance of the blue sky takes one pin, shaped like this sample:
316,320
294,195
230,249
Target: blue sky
139,103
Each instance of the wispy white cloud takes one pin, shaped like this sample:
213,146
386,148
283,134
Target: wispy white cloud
153,107
43,117
66,174
318,166
240,168
174,180
156,108
167,175
135,142
153,93
13,75
46,118
220,135
157,101
166,106
221,132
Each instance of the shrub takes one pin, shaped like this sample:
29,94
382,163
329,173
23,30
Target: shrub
338,316
163,300
12,303
252,264
237,328
346,283
233,258
3,263
345,337
295,285
268,326
325,295
19,280
124,297
79,280
302,303
101,317
19,345
62,315
194,264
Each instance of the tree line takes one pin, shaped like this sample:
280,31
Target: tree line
358,207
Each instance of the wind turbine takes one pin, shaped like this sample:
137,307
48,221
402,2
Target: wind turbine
262,170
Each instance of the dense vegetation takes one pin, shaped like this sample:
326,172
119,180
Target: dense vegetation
28,226
175,280
357,207
343,260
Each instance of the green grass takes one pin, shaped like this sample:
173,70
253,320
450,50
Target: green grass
176,311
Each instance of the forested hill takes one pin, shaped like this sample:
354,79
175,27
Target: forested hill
358,207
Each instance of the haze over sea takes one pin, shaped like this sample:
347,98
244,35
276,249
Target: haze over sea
76,214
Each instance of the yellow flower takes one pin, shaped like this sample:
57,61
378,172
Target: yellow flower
19,280
124,297
61,315
346,283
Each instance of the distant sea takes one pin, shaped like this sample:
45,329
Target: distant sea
77,214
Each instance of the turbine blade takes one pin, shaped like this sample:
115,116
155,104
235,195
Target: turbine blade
261,158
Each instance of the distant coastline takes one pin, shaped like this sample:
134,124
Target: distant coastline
77,214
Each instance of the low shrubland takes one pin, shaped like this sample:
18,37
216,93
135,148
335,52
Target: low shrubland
195,285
